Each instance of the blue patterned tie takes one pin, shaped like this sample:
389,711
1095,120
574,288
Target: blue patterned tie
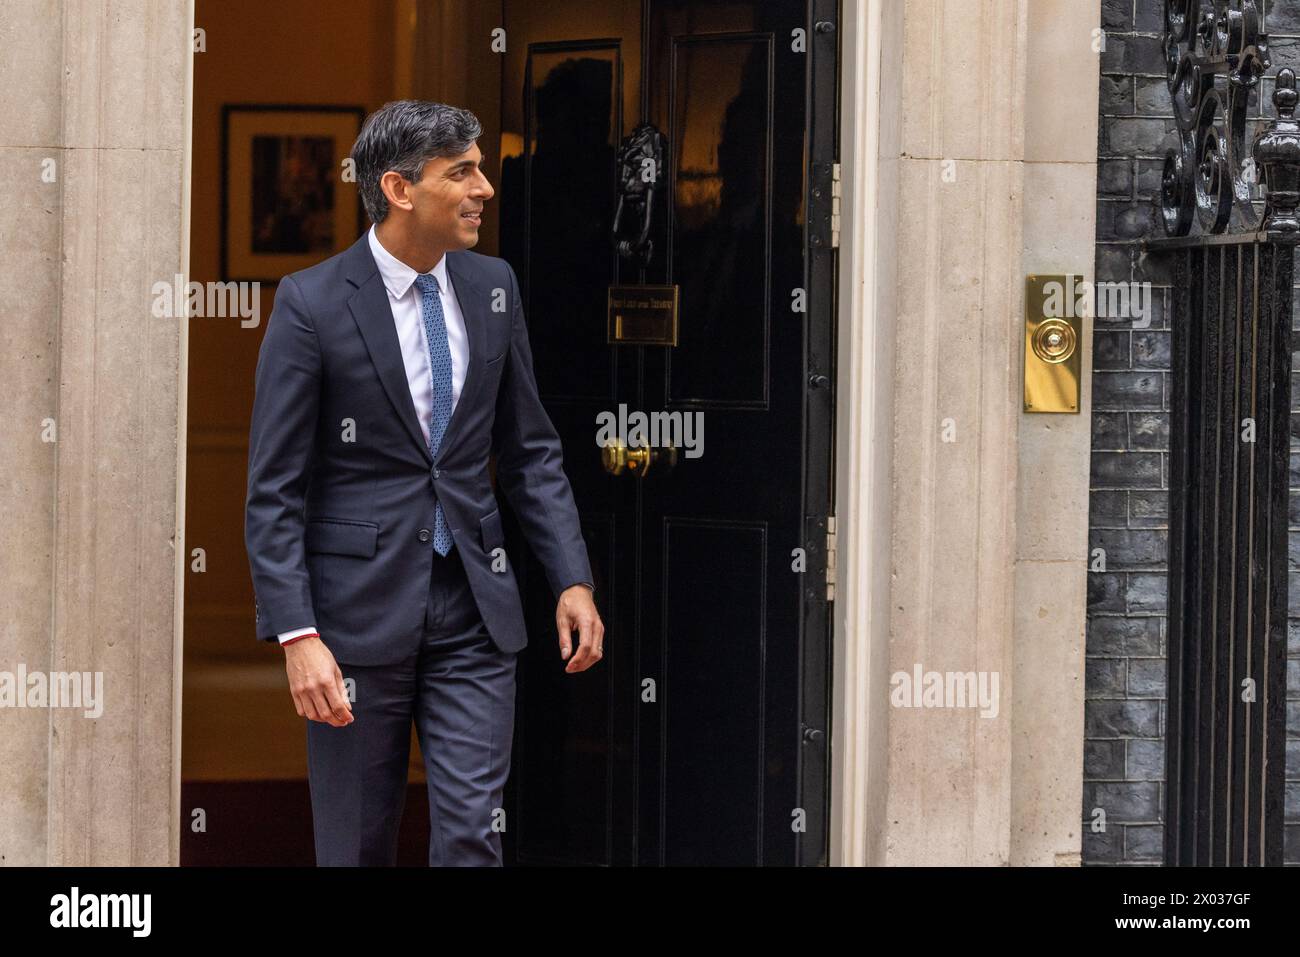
435,328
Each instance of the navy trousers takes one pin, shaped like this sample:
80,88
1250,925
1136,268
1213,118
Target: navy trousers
459,689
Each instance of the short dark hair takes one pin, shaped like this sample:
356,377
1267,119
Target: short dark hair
402,136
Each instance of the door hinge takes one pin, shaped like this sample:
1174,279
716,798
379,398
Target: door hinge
819,538
835,206
830,558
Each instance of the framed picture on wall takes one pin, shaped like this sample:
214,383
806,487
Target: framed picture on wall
284,202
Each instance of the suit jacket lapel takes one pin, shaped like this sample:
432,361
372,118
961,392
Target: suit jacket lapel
374,317
473,298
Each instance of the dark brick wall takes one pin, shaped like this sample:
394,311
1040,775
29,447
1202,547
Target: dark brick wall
1125,672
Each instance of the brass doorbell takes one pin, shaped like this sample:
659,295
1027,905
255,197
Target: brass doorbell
1054,309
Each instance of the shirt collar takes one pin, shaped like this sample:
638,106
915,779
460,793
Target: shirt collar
398,276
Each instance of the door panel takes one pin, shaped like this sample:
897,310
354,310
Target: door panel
566,82
682,745
712,662
572,124
720,139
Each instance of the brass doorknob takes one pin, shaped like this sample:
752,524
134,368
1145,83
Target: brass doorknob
618,458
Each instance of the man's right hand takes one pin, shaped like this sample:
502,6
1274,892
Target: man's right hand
316,682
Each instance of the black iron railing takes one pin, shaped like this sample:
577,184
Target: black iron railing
1229,437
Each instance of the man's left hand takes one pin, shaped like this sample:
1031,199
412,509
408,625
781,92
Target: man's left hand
577,610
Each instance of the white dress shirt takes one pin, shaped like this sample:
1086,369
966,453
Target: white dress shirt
408,317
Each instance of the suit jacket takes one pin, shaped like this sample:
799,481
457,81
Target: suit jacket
341,485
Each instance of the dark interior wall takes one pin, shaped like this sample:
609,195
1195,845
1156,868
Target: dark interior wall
238,719
243,749
1126,640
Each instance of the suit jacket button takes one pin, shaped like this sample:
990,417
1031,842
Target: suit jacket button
437,473
424,535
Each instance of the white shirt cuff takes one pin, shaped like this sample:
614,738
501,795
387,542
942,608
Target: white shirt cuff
287,635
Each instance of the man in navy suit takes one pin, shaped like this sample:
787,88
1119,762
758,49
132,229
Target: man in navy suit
387,377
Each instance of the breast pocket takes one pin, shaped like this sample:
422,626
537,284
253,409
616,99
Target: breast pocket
498,341
491,375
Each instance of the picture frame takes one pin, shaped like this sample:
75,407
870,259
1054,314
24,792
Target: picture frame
284,202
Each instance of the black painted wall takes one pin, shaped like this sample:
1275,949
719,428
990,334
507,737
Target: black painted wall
1125,680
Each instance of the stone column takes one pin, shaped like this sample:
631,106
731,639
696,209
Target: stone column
990,177
960,200
1058,236
94,133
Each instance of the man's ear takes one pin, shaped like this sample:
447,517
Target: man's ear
395,189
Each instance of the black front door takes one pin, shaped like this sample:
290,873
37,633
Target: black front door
687,743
